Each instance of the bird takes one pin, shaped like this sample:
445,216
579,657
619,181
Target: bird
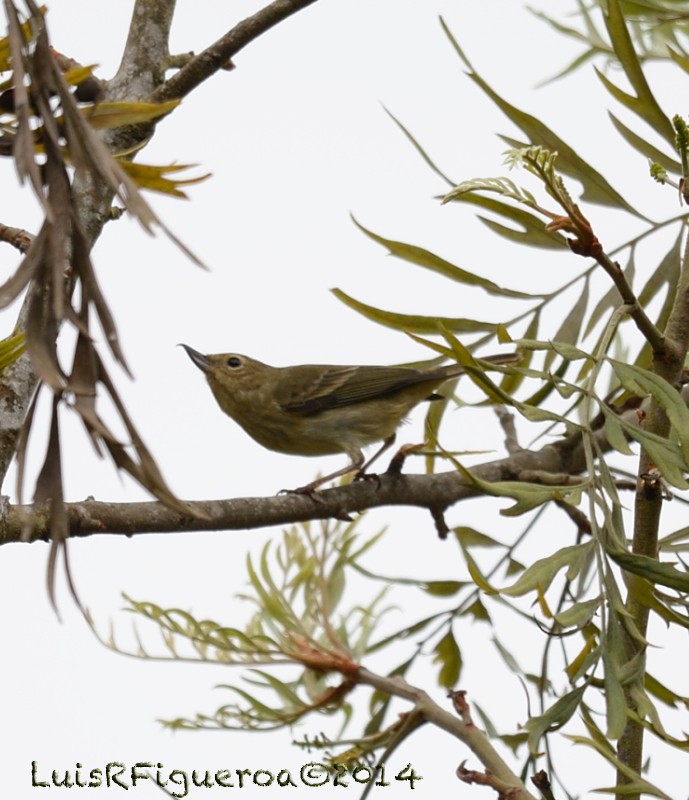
322,409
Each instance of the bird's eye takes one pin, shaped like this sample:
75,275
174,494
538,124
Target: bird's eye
234,361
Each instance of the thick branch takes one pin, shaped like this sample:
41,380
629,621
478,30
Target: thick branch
433,492
668,362
462,728
213,58
145,57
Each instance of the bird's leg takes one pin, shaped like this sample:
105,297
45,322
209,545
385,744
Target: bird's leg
354,465
361,472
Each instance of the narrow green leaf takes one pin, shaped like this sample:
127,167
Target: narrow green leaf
414,323
666,273
288,695
154,178
470,537
335,588
420,150
507,657
646,106
531,237
533,233
642,381
115,114
473,369
478,611
679,58
570,328
476,575
675,539
443,588
542,572
11,348
656,572
615,701
614,431
554,718
424,258
665,454
268,601
645,148
663,693
447,653
579,614
596,187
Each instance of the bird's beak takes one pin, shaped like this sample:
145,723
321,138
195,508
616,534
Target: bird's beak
199,359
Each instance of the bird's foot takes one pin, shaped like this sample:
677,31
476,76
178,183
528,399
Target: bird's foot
310,490
362,475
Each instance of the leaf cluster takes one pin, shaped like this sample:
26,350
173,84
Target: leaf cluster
55,147
297,588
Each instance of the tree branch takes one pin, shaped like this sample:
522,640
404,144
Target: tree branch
461,727
435,492
668,362
643,322
213,58
145,56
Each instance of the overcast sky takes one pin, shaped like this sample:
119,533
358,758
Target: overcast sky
296,139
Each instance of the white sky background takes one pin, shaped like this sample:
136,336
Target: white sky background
296,139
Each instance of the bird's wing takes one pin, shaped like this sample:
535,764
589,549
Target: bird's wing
331,386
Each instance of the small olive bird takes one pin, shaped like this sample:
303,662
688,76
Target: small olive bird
321,409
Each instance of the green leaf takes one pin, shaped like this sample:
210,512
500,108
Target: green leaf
473,370
679,58
532,236
424,155
663,693
154,178
478,611
115,114
542,572
414,322
570,328
533,233
507,657
644,103
447,653
615,701
655,571
423,258
11,348
677,540
443,588
614,432
665,454
270,603
665,274
645,148
555,717
476,575
470,537
579,614
642,381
